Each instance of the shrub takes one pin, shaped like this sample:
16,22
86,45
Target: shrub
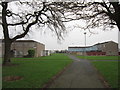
31,53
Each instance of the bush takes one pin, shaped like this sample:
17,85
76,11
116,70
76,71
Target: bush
31,53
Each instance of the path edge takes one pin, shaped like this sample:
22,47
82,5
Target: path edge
101,78
47,85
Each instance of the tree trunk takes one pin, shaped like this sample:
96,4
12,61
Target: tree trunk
7,40
7,53
118,21
118,25
116,14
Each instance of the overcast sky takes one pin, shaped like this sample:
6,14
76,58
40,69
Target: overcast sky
74,37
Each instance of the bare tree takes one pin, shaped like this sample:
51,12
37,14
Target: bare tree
97,14
0,17
51,14
104,14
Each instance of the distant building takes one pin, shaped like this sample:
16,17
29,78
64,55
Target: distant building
106,48
110,48
46,53
21,48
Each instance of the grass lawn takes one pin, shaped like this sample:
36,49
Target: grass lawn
99,57
35,71
1,60
109,70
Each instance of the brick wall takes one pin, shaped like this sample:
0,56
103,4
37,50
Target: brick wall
95,53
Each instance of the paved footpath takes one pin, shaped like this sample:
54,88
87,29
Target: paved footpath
80,74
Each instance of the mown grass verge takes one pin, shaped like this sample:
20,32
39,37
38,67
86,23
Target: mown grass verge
109,70
100,57
35,71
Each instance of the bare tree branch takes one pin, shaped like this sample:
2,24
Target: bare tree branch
29,25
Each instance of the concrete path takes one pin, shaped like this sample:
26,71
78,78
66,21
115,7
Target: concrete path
80,74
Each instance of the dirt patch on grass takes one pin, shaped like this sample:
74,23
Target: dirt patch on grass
10,65
12,78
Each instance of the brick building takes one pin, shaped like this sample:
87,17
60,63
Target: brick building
110,48
106,48
21,48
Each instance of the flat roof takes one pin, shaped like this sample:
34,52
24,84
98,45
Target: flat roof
79,47
27,41
91,45
23,41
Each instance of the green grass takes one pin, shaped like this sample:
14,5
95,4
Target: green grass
99,57
1,60
35,71
109,70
